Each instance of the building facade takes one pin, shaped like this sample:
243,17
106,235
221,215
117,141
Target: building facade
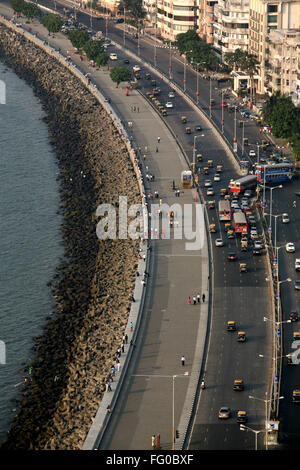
265,16
175,17
231,27
206,20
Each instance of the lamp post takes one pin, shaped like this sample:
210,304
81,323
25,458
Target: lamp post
124,29
194,153
266,410
155,62
243,427
243,137
170,61
222,118
210,96
173,377
271,197
197,92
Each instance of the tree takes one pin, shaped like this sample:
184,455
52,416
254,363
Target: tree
101,59
17,5
52,22
31,10
78,38
282,115
93,49
120,74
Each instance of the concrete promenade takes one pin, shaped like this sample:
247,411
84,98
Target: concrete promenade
170,327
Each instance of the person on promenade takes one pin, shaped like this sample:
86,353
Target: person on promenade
203,298
189,301
182,360
198,298
194,300
158,139
153,441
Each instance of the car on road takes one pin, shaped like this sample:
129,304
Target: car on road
106,44
258,244
219,242
207,183
297,264
231,256
224,412
198,128
248,193
113,56
169,104
252,153
297,193
257,251
217,177
136,68
210,192
294,316
285,218
224,104
290,247
297,284
238,385
126,61
171,94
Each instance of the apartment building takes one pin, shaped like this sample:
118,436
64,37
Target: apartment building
174,17
265,16
206,20
282,64
231,26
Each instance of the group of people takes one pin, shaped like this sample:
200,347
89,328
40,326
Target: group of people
116,366
196,299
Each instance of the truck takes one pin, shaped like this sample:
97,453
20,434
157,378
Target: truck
297,264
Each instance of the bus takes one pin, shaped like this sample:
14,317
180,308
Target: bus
224,210
186,179
241,184
275,173
240,222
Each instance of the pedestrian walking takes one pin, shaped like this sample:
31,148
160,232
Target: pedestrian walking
153,441
156,149
118,366
194,300
131,326
182,360
158,139
189,301
126,339
138,109
198,298
203,298
122,348
119,352
113,370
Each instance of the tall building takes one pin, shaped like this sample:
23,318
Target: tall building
175,16
282,65
231,26
264,16
206,20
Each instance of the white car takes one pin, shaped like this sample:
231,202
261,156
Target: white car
210,192
113,56
290,247
169,104
252,153
285,218
207,183
219,242
136,68
258,244
217,177
171,94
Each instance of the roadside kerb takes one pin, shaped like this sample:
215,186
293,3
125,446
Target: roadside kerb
109,398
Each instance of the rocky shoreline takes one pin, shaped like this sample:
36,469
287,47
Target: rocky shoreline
94,283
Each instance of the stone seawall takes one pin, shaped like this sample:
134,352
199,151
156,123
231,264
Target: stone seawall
93,284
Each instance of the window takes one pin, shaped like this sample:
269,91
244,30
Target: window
272,8
272,18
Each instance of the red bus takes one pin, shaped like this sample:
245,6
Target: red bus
240,185
240,222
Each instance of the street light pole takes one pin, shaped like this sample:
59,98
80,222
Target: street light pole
124,30
184,73
243,136
197,92
243,427
222,106
170,61
210,96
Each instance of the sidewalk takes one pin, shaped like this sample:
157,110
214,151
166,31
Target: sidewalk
170,327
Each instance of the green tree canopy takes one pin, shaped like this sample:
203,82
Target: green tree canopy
31,10
17,5
78,38
134,9
196,50
52,22
120,74
282,115
101,59
93,49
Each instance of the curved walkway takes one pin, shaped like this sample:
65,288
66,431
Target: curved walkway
171,328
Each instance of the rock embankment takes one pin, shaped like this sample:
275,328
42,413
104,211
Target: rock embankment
93,284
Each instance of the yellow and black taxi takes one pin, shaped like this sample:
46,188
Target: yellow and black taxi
241,336
183,119
244,244
296,396
206,170
219,168
230,234
291,359
153,83
211,204
210,163
188,130
296,335
212,228
164,112
223,192
199,157
241,417
238,385
231,326
227,197
227,226
243,267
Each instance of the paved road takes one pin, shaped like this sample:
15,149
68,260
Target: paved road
232,292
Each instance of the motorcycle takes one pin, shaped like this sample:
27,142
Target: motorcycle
202,385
